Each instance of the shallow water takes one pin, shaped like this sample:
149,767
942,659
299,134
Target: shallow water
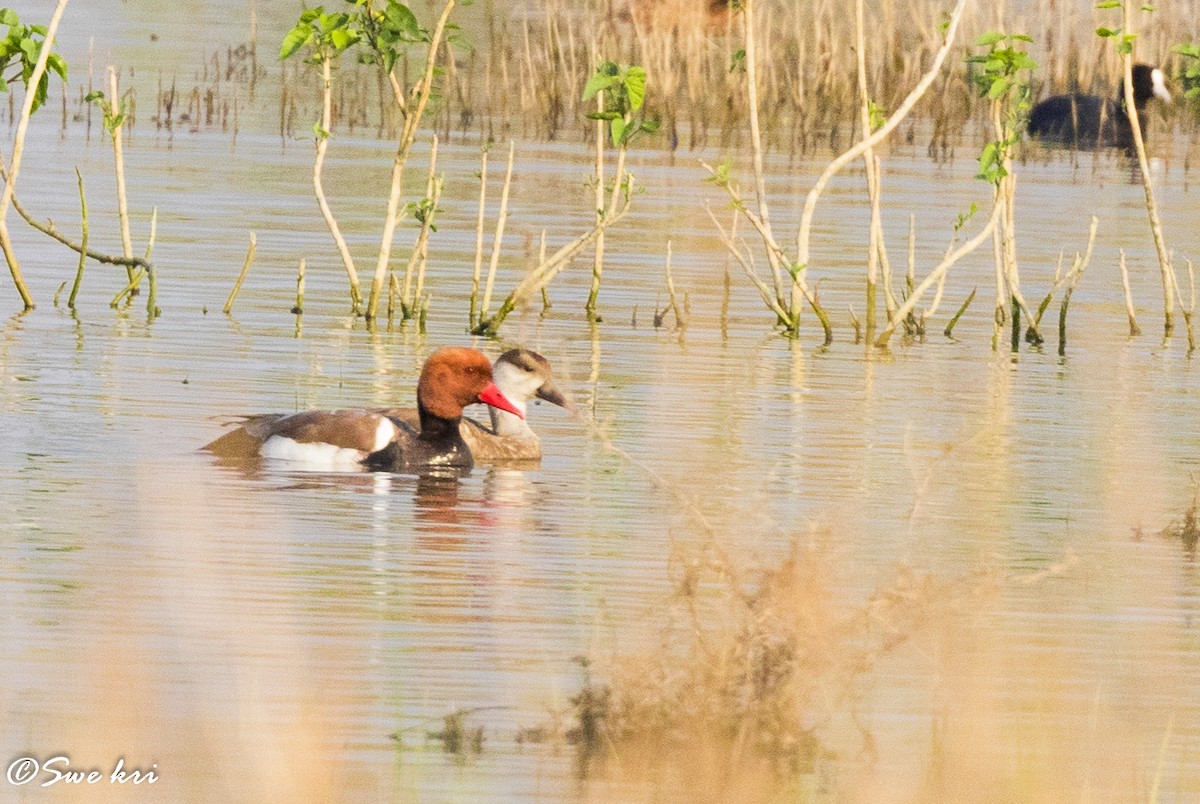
258,632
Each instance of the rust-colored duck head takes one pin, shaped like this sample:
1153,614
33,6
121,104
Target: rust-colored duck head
454,377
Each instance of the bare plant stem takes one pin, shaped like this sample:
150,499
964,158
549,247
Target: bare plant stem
949,331
423,245
936,274
1139,143
804,233
114,102
873,189
299,308
319,189
474,311
413,113
598,259
756,149
540,276
35,77
152,297
408,304
1072,279
51,231
1190,310
497,241
83,240
1134,329
237,286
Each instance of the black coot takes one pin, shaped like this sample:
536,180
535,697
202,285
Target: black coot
1089,121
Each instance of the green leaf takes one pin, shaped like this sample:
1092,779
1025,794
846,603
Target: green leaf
635,85
989,38
618,131
599,83
1105,32
1109,4
342,39
999,88
58,64
402,21
603,115
297,38
9,17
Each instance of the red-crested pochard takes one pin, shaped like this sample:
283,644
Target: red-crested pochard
452,378
522,375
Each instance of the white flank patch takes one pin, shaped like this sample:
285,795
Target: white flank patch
1160,85
384,433
319,455
313,455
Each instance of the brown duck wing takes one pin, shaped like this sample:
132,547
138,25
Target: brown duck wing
348,429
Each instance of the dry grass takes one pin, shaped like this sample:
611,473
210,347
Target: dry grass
753,691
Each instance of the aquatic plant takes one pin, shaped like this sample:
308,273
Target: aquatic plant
625,91
26,49
1125,37
785,298
114,107
384,33
1002,76
326,37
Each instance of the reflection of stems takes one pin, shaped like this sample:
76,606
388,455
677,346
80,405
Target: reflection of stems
39,69
319,189
83,240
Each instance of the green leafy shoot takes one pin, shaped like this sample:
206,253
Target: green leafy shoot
19,51
326,36
1190,77
113,118
624,88
1002,76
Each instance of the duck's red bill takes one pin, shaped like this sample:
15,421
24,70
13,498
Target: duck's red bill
491,395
